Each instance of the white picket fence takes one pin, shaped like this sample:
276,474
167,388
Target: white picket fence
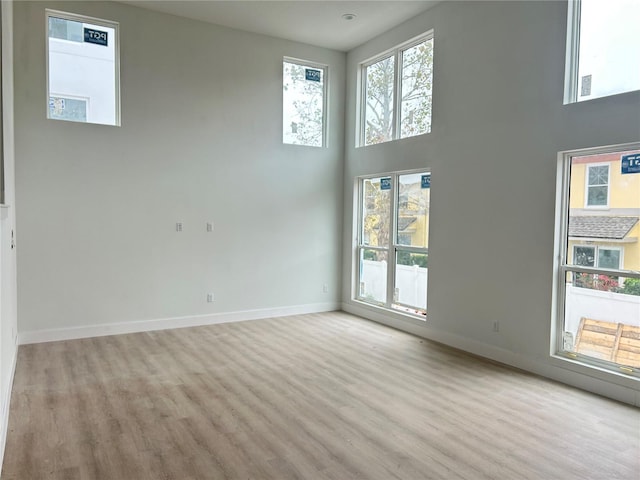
411,282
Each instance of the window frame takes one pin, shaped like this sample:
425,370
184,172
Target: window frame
75,17
325,99
562,267
588,167
395,52
392,248
572,57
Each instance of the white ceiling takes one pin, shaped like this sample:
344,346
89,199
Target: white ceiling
315,22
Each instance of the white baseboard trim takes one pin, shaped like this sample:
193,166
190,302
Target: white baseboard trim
6,406
619,388
88,331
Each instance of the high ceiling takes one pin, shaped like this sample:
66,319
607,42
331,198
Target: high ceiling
315,22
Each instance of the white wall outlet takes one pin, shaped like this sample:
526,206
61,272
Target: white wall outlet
178,226
325,288
496,326
210,297
209,226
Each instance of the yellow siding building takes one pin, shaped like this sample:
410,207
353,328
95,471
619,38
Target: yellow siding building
604,213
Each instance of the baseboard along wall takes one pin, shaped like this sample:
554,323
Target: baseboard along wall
101,330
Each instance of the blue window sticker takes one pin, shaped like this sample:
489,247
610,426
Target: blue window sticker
312,75
385,183
630,163
95,36
426,181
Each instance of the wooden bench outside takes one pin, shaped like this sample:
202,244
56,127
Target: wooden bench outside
615,342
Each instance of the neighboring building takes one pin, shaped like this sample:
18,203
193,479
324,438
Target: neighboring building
604,222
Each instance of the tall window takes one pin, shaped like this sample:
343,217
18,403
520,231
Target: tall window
603,49
393,247
598,321
397,90
303,103
83,69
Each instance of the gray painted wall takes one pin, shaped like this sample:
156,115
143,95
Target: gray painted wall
498,125
200,141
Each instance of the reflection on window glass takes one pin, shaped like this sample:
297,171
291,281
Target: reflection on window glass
584,256
598,189
608,258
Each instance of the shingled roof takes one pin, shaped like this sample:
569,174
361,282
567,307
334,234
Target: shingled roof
601,226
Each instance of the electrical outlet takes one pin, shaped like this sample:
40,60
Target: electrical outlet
210,297
178,226
325,288
209,226
496,326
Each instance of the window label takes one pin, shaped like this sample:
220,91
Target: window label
585,88
312,75
385,184
426,181
630,163
57,103
95,36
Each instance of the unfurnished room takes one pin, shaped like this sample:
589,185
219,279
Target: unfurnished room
320,240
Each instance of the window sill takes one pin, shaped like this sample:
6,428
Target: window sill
414,319
596,371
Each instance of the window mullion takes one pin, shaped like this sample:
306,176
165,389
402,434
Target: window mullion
397,92
601,271
391,256
572,52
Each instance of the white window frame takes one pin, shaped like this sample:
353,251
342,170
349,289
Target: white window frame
74,17
392,248
572,52
562,266
395,52
325,99
588,166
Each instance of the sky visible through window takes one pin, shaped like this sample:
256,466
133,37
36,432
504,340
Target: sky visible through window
609,59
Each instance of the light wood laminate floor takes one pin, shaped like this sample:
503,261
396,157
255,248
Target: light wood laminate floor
324,396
